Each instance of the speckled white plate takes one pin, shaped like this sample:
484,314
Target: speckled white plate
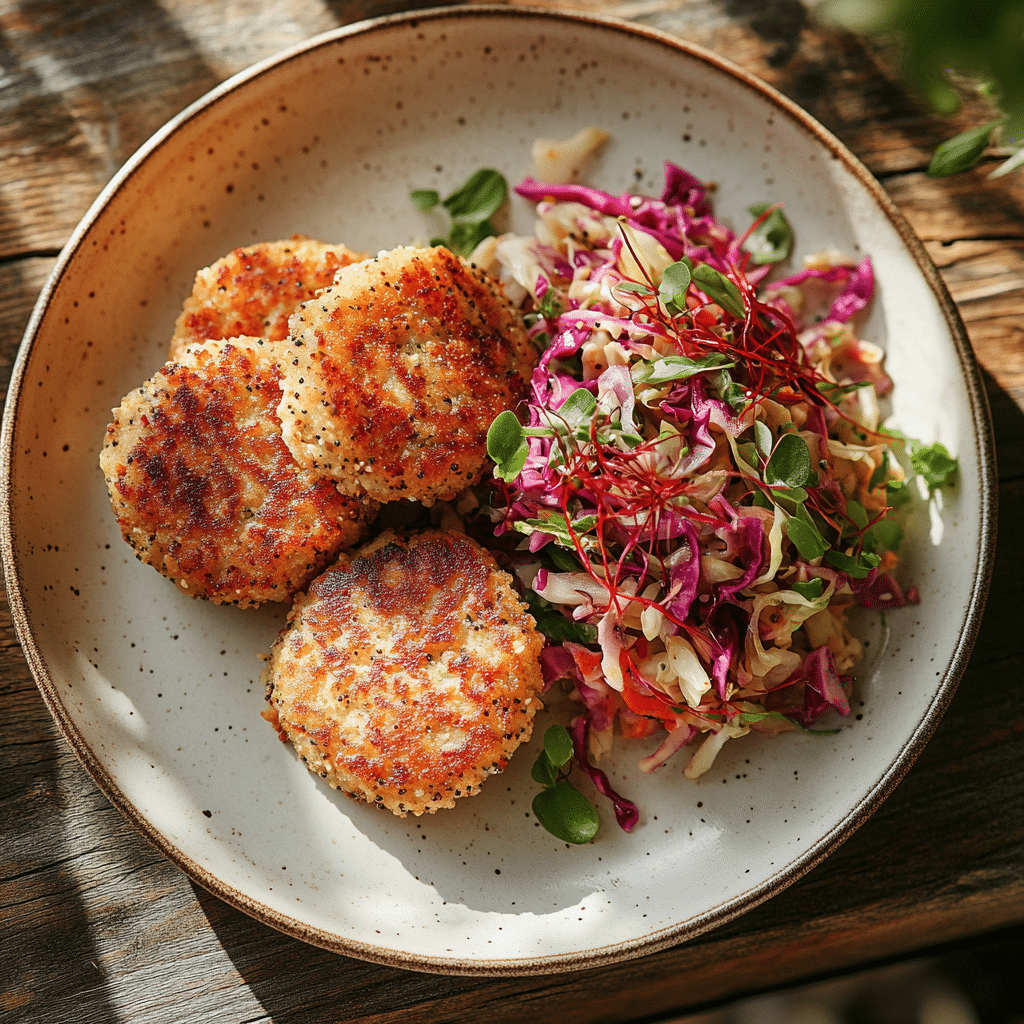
158,694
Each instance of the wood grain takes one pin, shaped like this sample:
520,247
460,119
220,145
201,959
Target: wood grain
95,926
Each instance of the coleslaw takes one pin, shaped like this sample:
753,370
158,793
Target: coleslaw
701,486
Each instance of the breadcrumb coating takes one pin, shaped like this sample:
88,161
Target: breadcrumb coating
396,371
205,489
254,289
408,673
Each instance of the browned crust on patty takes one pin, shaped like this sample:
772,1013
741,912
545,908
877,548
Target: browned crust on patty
205,489
396,372
254,289
409,672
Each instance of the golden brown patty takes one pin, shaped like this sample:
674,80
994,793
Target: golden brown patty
409,672
396,372
253,290
205,489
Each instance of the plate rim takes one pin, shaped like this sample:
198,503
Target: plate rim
665,937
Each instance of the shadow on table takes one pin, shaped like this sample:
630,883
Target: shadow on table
300,984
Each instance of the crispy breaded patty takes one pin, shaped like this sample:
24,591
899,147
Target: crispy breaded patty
396,372
205,489
253,290
408,673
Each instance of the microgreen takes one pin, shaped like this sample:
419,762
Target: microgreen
550,305
857,514
857,567
752,717
554,625
934,464
811,589
897,494
560,559
885,535
880,473
763,438
554,525
578,408
836,391
716,286
675,280
560,807
470,208
425,198
772,239
666,368
805,535
790,463
507,446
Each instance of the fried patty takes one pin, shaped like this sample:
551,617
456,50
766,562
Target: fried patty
253,290
205,489
396,372
408,673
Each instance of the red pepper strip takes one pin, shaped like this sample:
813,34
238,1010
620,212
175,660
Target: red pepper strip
642,704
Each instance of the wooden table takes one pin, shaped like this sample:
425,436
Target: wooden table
97,926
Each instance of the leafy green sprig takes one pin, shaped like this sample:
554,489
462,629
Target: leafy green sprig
560,807
470,209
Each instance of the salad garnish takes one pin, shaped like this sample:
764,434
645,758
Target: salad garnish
701,486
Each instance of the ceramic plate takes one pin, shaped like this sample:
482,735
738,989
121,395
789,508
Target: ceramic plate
159,695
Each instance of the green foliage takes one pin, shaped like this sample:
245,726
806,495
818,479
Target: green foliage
934,463
984,41
772,239
506,445
560,807
470,208
675,281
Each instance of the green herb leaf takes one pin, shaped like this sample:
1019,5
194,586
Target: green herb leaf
578,408
885,535
675,281
634,287
550,305
469,207
751,717
553,523
558,745
880,473
566,813
479,198
466,236
772,240
561,559
806,537
836,391
552,623
763,438
425,198
934,463
718,288
897,494
856,567
857,514
543,771
960,152
667,368
506,445
790,462
811,589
